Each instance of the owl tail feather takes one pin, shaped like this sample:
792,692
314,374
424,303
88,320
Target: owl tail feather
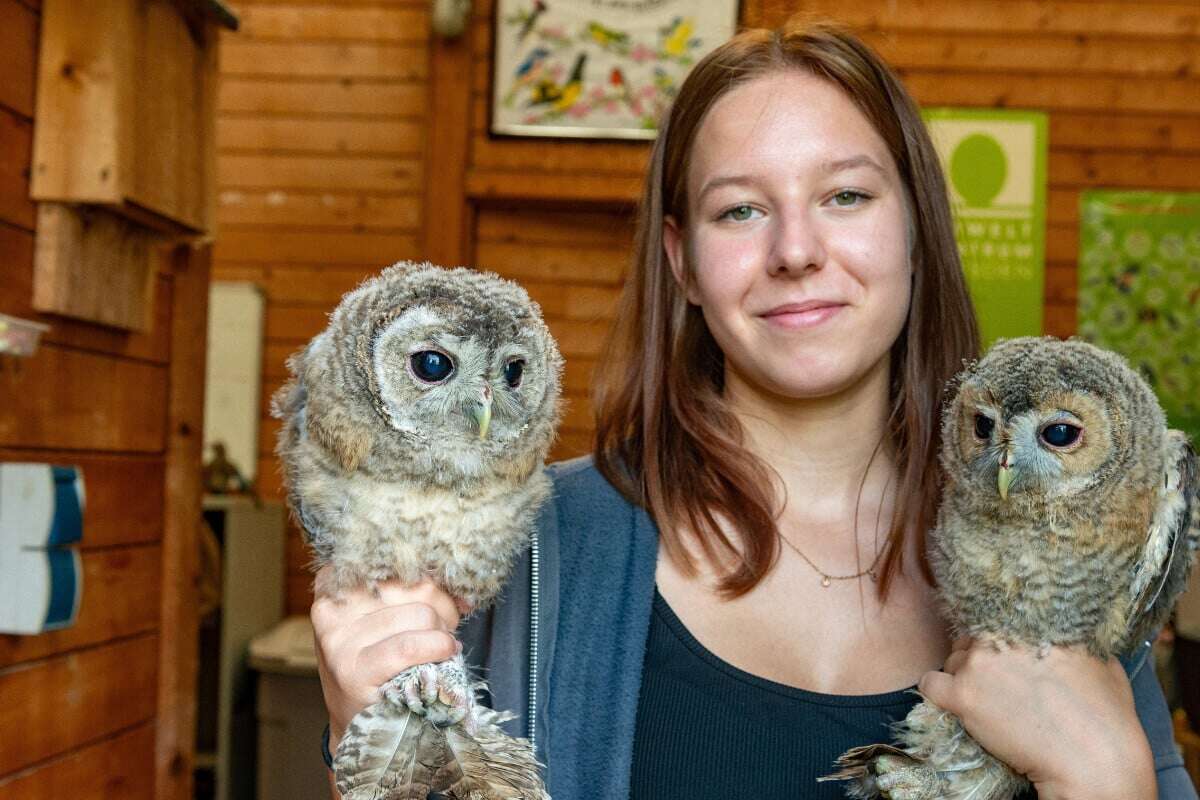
857,767
390,753
491,765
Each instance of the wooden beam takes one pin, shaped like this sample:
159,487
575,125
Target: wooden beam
18,57
617,190
447,215
16,144
179,625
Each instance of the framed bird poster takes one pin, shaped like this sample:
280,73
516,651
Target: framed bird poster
597,68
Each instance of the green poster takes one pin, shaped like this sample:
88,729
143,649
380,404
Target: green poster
1139,290
995,165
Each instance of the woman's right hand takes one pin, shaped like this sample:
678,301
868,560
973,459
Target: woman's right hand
363,641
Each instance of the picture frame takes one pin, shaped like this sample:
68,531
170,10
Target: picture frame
597,69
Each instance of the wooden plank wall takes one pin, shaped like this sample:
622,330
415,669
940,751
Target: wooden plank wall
309,212
78,709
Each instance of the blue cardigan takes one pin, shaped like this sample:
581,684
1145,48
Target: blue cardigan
590,580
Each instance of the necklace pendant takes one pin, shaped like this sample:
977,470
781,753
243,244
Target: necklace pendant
825,581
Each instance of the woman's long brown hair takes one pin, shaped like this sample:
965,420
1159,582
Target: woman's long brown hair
665,436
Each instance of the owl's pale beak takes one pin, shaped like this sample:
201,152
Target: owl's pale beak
481,412
1006,475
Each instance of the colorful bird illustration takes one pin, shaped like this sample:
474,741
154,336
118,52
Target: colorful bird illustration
609,39
616,80
560,98
677,37
664,81
527,73
529,18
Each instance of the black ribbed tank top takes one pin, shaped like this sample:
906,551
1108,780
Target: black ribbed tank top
707,730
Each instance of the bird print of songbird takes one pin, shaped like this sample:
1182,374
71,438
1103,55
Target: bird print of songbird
561,97
677,37
415,427
529,18
608,38
620,89
1069,518
528,71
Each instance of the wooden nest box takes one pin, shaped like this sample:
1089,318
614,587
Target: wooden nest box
123,151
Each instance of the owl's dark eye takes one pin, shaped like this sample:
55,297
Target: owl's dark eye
1061,434
983,426
513,371
431,366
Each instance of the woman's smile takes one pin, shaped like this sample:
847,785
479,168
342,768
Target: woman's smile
804,315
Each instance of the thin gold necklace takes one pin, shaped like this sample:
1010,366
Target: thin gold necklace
827,579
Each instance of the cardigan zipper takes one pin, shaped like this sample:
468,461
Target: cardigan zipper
534,598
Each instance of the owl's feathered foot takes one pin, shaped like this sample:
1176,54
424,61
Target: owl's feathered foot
428,734
937,760
888,772
442,693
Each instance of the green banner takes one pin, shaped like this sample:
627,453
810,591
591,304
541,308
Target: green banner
995,165
1139,290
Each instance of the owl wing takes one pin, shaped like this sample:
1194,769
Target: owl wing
389,753
290,404
1171,542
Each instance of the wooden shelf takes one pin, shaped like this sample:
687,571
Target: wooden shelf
600,189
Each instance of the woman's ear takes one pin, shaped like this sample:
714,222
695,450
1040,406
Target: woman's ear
673,245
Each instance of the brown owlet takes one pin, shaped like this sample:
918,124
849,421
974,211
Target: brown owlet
415,430
1069,518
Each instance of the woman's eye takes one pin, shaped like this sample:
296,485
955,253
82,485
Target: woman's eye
848,197
739,213
1061,434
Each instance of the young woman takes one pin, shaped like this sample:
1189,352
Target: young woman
734,590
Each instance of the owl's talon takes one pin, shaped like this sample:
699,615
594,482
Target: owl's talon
428,684
442,693
901,778
405,691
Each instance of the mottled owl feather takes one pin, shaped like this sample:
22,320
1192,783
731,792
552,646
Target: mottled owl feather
1171,544
1068,518
396,755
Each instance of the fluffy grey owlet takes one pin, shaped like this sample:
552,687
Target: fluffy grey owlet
1069,518
415,429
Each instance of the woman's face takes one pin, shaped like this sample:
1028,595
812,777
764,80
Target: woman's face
795,238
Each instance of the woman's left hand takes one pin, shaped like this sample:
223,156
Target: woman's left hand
1066,720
